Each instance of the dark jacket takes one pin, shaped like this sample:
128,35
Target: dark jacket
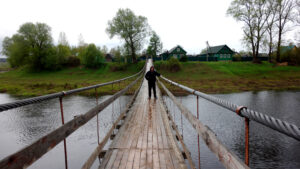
150,76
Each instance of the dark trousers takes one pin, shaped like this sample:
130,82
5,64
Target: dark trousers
151,86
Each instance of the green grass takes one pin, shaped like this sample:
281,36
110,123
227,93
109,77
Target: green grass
209,77
4,66
224,77
21,82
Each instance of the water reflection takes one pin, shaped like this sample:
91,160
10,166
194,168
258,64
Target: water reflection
22,126
268,149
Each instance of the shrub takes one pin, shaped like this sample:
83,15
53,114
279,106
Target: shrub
292,57
237,57
93,57
117,67
72,61
183,59
172,65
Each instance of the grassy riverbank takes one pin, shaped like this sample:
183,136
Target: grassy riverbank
211,77
25,83
226,77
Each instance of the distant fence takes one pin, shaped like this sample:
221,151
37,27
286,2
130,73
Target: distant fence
198,58
247,59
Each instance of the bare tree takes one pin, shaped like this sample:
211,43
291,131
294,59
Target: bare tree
62,39
284,15
270,26
254,15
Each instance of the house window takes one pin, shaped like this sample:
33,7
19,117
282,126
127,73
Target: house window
178,49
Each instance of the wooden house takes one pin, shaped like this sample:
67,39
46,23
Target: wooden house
176,52
108,57
219,53
285,49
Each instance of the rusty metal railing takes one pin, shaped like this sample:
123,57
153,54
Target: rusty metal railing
89,162
33,152
226,157
284,127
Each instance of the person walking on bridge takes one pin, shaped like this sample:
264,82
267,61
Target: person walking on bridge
151,77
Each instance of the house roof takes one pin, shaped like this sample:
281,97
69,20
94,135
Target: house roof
287,48
215,49
175,48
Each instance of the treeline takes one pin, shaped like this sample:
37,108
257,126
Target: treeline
32,46
265,23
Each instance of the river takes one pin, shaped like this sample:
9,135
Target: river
268,148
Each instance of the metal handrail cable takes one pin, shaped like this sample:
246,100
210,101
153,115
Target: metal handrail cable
269,121
24,102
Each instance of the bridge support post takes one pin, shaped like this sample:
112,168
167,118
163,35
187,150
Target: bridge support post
247,141
63,122
97,117
198,134
238,112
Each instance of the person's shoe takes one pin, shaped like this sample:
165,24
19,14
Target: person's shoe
149,98
155,98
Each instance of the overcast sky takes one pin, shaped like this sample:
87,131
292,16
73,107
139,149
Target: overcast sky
189,23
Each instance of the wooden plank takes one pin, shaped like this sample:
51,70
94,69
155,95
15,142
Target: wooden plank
149,164
111,159
168,159
171,138
118,159
124,159
162,160
136,161
143,159
155,158
129,163
105,159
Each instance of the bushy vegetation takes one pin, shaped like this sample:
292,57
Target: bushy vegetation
118,67
32,46
183,59
224,77
93,57
291,56
172,65
114,67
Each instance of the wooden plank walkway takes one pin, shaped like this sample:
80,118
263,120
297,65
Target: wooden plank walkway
145,140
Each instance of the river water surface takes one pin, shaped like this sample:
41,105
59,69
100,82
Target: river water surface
268,148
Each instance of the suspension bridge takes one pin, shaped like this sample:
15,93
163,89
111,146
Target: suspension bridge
145,134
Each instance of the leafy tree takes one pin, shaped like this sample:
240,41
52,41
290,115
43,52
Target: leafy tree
116,52
38,37
254,15
131,28
29,46
62,52
155,45
80,50
16,49
93,57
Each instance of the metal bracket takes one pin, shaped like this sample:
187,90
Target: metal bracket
239,109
